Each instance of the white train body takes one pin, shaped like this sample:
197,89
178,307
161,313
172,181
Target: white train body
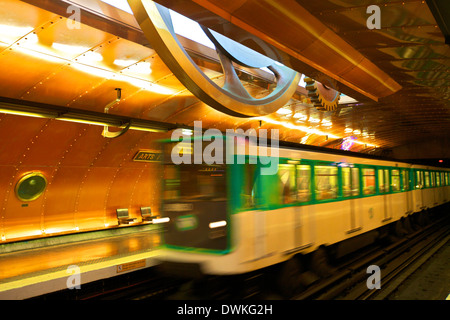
268,234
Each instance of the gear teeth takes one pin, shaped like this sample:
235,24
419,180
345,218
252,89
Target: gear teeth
320,103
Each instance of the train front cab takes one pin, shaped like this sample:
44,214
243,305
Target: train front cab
197,211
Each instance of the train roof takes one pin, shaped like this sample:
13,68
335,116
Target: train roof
318,149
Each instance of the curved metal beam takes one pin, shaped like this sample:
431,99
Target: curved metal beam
231,99
311,46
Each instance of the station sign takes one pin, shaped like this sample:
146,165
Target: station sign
148,156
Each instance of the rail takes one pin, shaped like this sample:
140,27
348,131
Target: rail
397,261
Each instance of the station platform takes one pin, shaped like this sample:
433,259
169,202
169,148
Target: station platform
36,267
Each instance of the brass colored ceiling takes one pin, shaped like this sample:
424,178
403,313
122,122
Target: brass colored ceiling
50,63
411,48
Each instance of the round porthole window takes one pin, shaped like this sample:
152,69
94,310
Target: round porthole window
31,186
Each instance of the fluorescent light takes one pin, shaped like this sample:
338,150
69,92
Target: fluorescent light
124,63
90,56
187,132
217,224
298,127
302,82
137,128
27,113
190,29
284,111
346,99
10,34
70,48
143,68
96,123
120,4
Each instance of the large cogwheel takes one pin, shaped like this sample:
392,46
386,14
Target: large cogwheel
323,94
232,98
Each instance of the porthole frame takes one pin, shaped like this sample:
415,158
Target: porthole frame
26,177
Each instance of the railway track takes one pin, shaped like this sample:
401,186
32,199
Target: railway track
153,288
138,285
396,262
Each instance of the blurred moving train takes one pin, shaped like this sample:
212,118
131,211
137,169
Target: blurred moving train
225,219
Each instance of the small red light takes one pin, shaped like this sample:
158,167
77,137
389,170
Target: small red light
440,161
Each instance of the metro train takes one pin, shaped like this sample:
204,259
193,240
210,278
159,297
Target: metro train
229,219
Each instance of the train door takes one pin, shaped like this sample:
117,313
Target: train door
437,189
447,186
433,188
442,187
384,190
350,190
418,192
303,215
406,188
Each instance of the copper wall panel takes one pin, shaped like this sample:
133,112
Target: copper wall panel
146,192
60,198
16,134
14,84
92,196
89,176
47,151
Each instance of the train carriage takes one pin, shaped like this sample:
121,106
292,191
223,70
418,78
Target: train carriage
229,218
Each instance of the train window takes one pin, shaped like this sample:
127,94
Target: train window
196,182
350,182
395,180
427,179
286,174
355,181
419,180
381,181
386,181
248,192
346,182
171,182
433,178
303,183
447,174
405,177
368,181
326,182
438,179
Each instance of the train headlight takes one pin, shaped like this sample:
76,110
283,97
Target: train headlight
161,220
217,224
218,229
